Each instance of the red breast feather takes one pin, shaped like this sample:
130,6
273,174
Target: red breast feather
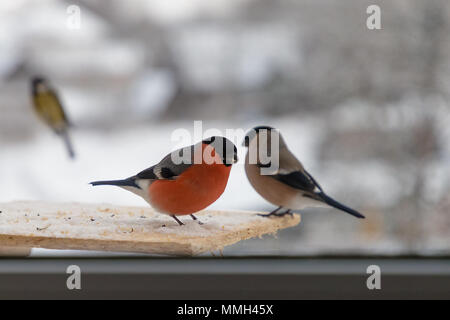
195,189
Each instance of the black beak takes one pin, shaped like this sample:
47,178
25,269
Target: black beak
246,141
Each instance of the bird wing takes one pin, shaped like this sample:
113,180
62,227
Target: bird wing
310,188
167,168
301,180
49,107
290,171
62,111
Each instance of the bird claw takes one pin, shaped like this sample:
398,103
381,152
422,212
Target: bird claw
195,218
267,215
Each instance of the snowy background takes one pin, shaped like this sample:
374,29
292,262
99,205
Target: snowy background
367,112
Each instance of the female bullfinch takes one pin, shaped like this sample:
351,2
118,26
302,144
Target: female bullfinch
185,181
281,178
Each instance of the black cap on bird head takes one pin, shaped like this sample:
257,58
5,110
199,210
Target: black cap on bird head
224,147
254,132
36,81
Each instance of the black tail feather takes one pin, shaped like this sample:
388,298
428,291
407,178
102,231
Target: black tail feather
68,144
130,182
340,206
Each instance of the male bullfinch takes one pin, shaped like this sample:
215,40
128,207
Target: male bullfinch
49,108
185,181
277,175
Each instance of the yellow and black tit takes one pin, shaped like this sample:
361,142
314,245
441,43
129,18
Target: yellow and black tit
49,109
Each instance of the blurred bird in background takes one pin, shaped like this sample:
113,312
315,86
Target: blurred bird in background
181,188
49,109
288,185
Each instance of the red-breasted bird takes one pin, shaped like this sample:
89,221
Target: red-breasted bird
287,185
185,181
50,110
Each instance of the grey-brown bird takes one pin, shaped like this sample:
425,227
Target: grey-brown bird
50,110
277,175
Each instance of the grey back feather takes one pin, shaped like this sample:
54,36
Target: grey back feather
172,165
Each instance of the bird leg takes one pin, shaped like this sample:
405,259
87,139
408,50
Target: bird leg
195,218
178,220
273,213
276,214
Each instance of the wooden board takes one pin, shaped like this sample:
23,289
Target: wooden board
132,229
